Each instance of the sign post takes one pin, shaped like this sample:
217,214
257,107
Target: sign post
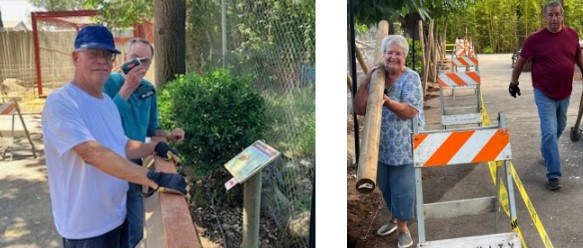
246,169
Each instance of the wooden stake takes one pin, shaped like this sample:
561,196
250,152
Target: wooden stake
360,59
435,53
368,161
430,49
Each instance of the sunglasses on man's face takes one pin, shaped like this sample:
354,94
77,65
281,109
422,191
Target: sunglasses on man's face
99,53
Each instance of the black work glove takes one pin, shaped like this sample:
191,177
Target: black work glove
167,180
513,89
167,152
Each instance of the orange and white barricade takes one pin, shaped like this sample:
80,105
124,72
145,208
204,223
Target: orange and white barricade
464,146
467,62
460,113
464,48
7,143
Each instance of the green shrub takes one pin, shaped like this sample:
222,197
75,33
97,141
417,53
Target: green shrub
220,113
418,55
488,50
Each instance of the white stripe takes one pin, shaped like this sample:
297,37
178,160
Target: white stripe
428,147
506,153
472,147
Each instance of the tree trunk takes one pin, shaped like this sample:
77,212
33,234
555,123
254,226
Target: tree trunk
170,40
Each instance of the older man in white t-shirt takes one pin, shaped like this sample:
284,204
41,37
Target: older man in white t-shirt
86,151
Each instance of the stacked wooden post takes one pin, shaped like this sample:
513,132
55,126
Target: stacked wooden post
368,161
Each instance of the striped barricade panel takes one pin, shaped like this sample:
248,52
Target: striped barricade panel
461,147
464,61
458,79
460,43
460,52
471,52
7,108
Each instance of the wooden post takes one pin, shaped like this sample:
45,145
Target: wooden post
435,54
427,67
359,58
425,54
251,208
367,163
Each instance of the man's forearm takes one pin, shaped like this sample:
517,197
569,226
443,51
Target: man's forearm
111,163
136,149
161,132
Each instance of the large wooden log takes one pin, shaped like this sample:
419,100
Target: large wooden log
367,163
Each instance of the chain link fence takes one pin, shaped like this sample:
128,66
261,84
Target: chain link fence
274,41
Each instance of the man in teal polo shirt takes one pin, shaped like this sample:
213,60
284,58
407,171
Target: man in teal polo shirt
135,99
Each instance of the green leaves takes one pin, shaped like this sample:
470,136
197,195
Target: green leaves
122,13
220,113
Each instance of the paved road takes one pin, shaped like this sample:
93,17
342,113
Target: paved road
560,211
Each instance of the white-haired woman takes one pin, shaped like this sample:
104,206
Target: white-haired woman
402,101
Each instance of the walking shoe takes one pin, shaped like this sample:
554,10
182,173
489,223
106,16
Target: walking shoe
387,229
404,239
554,184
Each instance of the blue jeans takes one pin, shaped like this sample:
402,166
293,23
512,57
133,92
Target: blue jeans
397,184
116,238
135,217
553,120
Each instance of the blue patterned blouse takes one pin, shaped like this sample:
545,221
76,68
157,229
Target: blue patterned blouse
395,141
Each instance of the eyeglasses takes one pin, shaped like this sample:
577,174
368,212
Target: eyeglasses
98,53
142,60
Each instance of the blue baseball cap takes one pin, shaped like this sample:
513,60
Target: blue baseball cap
95,37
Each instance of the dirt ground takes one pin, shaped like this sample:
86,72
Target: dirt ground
221,225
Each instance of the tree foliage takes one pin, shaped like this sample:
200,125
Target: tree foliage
122,13
119,13
372,11
57,4
502,26
492,25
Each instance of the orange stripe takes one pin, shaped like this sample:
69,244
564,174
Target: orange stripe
449,148
494,146
8,109
441,82
474,59
457,80
473,75
460,61
418,139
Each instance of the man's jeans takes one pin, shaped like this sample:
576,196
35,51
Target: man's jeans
553,120
135,206
116,238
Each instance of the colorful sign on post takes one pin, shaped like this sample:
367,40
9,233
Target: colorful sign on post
249,161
